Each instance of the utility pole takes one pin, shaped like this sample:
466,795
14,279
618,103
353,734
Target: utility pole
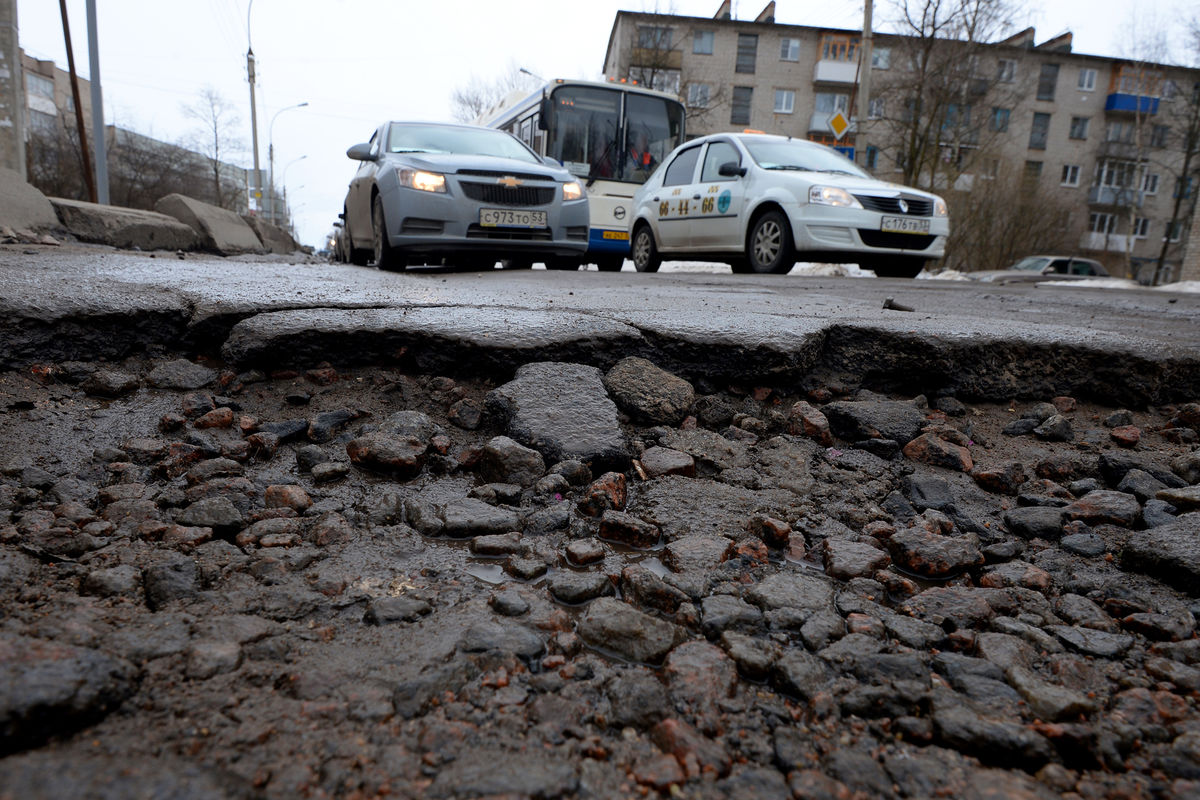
12,94
99,142
864,85
88,178
253,112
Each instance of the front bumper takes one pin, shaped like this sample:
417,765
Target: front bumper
854,231
428,223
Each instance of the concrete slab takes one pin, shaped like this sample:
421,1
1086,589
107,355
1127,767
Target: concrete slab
126,228
24,208
220,230
273,237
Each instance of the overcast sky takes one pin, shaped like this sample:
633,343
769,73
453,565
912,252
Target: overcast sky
359,62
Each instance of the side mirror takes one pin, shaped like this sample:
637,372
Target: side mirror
731,169
545,113
360,152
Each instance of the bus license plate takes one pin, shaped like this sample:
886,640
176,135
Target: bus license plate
511,218
903,225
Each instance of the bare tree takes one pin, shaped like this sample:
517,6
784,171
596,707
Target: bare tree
929,122
478,95
1187,133
54,164
1005,216
216,139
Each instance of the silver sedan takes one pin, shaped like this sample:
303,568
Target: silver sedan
429,193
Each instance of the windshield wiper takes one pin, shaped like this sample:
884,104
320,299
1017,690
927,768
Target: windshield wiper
410,150
791,167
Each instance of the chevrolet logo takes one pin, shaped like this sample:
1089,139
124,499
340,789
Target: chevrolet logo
511,181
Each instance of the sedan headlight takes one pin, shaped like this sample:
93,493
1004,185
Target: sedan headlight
572,190
421,180
832,196
939,208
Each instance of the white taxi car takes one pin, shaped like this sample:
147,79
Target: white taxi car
761,203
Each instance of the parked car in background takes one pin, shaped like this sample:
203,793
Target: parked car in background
1035,269
431,193
760,203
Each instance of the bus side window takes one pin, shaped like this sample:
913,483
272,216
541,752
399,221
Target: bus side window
539,136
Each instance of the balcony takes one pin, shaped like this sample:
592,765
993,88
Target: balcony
1112,242
1115,196
1131,104
835,72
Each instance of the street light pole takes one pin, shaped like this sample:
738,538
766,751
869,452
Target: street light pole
271,215
284,182
253,110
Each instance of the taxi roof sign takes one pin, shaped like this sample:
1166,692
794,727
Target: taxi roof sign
839,124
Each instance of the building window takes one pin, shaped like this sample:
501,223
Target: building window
654,38
747,52
991,168
40,122
1141,227
1099,222
872,156
829,102
1170,90
1039,132
1079,127
1087,80
1175,230
1158,135
1118,131
957,117
785,101
1070,175
839,47
999,121
1033,170
789,50
39,85
881,57
702,43
698,94
875,108
1115,174
1150,183
740,109
1047,82
663,80
1006,70
1184,186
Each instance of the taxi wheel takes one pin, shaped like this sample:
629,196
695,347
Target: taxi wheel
645,253
769,246
385,256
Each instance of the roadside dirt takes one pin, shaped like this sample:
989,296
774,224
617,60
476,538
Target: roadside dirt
204,600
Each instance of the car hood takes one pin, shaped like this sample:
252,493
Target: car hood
458,162
854,184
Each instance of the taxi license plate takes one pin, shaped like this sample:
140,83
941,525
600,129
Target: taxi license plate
903,225
511,218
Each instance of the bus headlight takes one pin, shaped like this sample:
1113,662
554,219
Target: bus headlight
422,180
832,196
572,191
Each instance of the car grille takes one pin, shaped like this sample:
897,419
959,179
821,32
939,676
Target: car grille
917,206
577,232
419,225
488,173
505,196
476,231
895,241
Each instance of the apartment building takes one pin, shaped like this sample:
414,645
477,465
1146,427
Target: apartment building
141,169
1103,136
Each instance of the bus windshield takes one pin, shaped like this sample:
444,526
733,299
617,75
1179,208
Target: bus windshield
588,137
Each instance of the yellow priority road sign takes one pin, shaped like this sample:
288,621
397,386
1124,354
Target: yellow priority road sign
839,124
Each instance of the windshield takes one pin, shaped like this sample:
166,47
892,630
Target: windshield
455,139
793,154
1031,264
586,134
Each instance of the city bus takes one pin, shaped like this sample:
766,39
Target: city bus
611,135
